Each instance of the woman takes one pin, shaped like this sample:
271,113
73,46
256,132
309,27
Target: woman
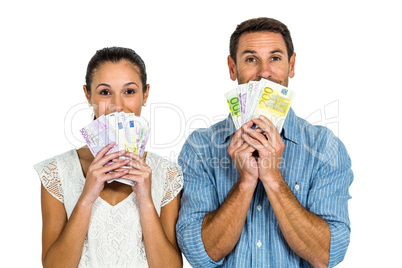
90,223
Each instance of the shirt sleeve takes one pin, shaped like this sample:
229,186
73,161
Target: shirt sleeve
173,183
199,198
49,176
329,195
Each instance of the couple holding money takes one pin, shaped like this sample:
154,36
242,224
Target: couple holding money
282,201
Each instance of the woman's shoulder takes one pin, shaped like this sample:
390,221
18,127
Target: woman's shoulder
169,172
55,161
49,173
157,162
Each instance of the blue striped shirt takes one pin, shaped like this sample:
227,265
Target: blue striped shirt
316,167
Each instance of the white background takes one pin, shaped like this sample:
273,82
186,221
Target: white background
348,60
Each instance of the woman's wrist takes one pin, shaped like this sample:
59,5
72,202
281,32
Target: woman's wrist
146,204
85,203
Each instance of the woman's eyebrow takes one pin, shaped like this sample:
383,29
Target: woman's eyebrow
126,84
130,83
103,84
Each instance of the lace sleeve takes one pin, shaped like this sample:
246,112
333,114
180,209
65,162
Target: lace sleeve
173,183
49,176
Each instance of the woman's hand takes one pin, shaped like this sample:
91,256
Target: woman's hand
98,173
141,174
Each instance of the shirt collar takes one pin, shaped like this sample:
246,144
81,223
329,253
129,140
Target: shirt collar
230,128
290,129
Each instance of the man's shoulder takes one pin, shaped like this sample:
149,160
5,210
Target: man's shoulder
319,140
214,133
310,131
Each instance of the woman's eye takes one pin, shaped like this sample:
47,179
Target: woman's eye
130,91
104,92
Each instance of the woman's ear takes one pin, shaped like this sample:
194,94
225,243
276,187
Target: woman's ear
146,94
87,95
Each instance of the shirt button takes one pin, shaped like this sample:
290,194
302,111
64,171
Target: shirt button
259,207
259,244
297,187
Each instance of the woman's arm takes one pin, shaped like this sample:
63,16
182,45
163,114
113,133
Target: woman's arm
159,232
62,239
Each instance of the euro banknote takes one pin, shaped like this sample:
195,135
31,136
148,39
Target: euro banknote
128,131
257,98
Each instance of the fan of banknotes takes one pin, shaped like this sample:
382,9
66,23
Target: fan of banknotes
128,131
257,98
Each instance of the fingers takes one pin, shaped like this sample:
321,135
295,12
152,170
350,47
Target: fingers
138,174
256,138
251,135
102,158
104,150
108,158
236,140
267,126
113,166
134,156
116,174
256,141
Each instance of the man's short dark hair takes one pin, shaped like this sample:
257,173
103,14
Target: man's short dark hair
260,25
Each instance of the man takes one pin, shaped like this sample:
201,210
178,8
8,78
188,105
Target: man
283,207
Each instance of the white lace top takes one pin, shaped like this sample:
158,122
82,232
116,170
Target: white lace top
114,237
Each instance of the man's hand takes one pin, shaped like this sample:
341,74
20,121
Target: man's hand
242,155
267,141
307,234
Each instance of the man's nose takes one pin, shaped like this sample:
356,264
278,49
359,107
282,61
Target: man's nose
264,70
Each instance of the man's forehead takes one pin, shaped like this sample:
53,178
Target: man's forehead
247,41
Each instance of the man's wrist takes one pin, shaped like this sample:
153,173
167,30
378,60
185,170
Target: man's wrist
247,185
274,185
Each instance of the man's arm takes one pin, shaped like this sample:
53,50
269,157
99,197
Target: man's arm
220,229
307,234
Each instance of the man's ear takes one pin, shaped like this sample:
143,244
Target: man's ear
232,68
292,63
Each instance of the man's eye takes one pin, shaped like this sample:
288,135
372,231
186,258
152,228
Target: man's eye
250,60
275,58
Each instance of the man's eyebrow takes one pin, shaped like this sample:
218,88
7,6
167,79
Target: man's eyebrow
249,52
255,52
277,51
